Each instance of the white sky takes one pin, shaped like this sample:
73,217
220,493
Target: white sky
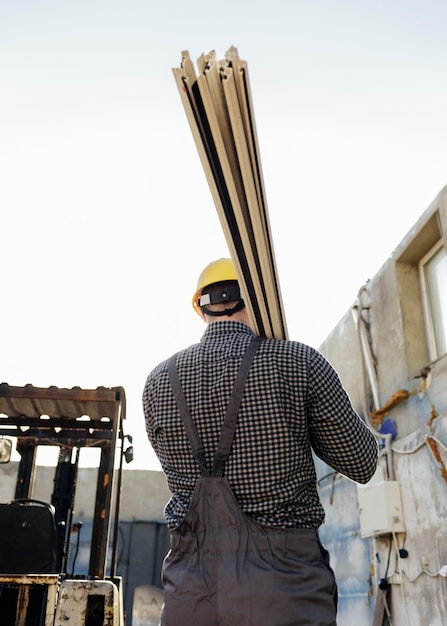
106,215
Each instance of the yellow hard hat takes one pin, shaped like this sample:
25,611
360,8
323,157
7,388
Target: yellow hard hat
218,271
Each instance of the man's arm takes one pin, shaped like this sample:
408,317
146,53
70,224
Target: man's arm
338,435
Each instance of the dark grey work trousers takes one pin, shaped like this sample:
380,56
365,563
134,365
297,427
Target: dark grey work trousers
224,569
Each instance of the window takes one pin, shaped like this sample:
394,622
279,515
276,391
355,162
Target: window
433,274
422,290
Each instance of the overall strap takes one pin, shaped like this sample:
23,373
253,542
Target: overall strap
190,427
231,415
229,425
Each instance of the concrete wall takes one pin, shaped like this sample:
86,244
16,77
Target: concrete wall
144,493
391,304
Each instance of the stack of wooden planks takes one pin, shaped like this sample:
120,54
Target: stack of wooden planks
218,105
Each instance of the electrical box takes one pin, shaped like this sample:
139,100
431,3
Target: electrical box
380,508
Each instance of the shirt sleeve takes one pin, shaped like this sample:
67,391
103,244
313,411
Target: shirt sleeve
338,434
149,401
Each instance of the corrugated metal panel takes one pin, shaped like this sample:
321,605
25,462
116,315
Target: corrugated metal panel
31,402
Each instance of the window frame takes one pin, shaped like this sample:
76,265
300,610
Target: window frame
427,303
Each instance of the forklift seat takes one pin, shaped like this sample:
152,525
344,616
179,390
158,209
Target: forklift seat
27,537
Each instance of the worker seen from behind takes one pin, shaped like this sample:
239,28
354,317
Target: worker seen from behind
234,420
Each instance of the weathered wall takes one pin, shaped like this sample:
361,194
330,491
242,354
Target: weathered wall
399,347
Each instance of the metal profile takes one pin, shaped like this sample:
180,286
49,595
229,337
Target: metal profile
219,109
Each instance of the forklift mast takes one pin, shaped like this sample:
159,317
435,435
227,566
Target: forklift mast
70,419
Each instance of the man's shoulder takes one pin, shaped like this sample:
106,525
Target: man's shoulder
289,346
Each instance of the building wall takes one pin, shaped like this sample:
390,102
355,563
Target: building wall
144,493
411,561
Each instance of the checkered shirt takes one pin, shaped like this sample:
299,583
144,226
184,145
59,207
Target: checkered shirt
293,404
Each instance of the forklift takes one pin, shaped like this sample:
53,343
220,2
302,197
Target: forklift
39,585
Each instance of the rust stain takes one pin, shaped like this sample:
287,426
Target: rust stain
433,415
399,396
22,603
435,452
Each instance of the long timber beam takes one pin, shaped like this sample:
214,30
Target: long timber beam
219,109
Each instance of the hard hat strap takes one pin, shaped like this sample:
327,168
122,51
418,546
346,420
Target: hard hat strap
218,293
239,306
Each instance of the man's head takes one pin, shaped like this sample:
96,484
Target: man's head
218,294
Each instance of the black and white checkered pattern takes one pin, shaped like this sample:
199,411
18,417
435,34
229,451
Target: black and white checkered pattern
293,403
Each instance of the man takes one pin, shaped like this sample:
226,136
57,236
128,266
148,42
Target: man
245,511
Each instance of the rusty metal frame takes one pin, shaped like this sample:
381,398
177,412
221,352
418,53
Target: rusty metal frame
71,418
23,584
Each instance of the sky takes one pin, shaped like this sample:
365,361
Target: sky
106,215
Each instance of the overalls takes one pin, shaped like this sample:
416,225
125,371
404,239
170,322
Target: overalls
225,569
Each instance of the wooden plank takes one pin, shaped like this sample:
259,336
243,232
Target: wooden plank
222,157
225,211
229,206
219,109
245,151
237,215
245,103
246,216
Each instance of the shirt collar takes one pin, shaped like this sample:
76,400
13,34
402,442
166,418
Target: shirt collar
218,329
